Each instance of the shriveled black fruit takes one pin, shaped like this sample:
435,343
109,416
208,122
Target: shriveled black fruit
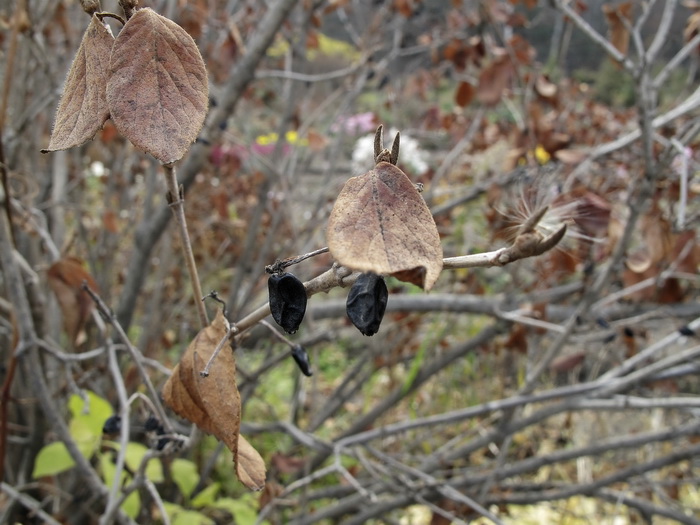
302,359
153,425
113,425
367,302
287,301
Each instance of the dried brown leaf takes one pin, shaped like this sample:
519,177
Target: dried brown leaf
619,17
250,467
66,277
158,90
465,94
213,402
493,81
83,110
381,224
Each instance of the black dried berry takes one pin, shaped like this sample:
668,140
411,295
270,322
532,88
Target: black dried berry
153,425
686,331
367,302
302,359
287,301
113,425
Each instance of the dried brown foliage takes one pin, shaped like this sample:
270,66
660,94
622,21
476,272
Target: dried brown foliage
83,109
212,401
381,224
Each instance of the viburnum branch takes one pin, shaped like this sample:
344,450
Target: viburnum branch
528,243
176,201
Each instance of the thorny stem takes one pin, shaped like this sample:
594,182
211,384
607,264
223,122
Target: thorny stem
176,201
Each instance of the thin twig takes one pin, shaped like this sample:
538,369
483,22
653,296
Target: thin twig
176,201
29,502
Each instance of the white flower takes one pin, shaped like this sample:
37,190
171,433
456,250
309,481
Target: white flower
410,154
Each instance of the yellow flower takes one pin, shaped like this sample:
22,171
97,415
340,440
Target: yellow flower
541,154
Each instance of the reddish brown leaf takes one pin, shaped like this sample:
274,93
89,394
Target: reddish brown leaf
66,277
571,156
83,110
493,81
465,94
619,17
567,363
158,90
381,224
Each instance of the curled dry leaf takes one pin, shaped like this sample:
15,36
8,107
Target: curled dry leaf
619,18
66,277
381,224
83,110
213,402
157,90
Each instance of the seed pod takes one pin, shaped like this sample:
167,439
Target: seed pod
287,301
367,302
302,359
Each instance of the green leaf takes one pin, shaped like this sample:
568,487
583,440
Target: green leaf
180,516
84,436
207,496
135,453
244,509
52,459
185,475
94,412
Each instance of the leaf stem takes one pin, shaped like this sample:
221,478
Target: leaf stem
176,201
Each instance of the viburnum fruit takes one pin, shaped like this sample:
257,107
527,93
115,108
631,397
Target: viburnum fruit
287,301
367,302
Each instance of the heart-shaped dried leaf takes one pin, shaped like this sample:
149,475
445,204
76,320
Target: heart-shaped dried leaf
381,224
158,91
83,110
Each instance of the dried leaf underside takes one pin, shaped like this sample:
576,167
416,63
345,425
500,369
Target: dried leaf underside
151,80
381,224
213,402
82,110
157,90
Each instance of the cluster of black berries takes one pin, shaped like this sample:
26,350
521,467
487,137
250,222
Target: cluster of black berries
365,306
152,427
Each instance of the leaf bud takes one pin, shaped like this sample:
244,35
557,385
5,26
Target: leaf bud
367,302
287,301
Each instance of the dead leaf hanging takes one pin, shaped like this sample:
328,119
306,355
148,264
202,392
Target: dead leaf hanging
157,91
213,402
381,224
619,18
65,278
83,110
